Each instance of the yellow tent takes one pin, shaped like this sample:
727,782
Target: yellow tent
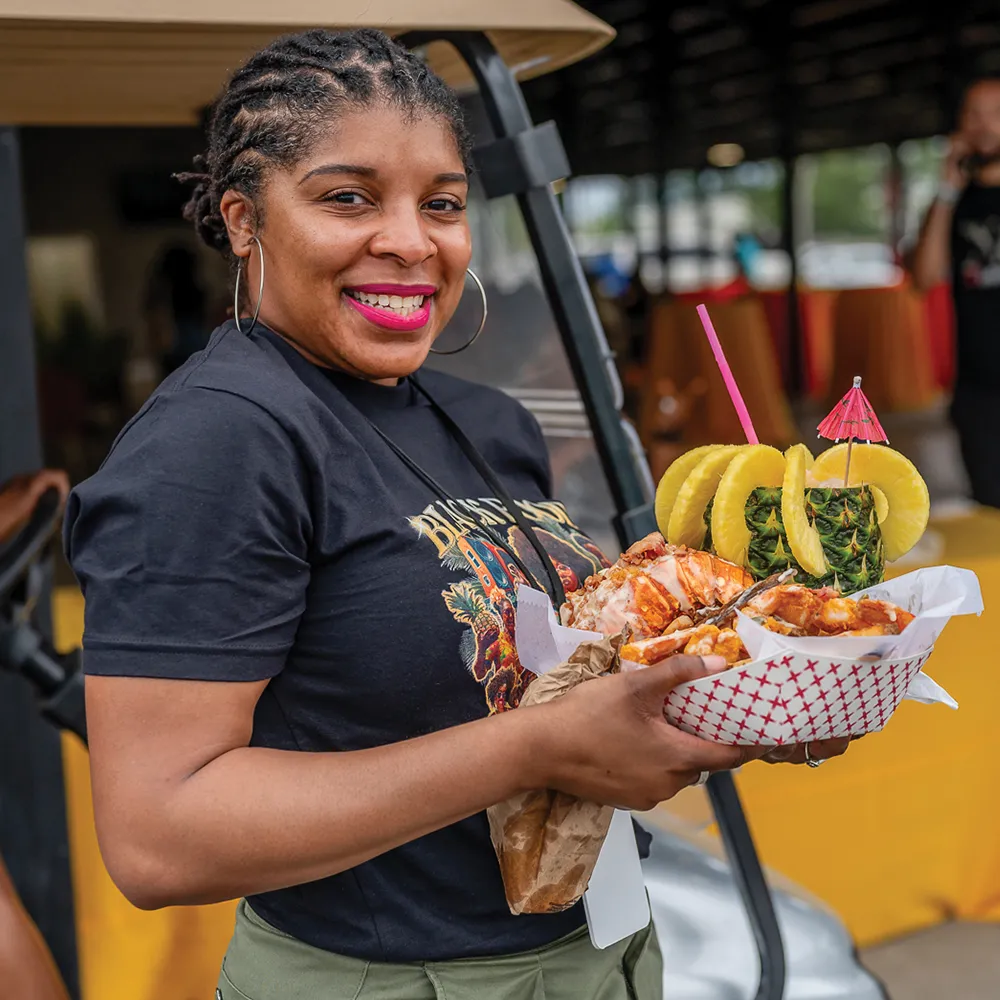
138,62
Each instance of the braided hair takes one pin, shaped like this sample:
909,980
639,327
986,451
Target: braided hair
282,98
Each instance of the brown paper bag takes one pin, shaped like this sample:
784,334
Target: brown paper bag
548,842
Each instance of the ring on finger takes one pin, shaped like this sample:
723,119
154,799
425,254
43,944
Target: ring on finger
811,760
702,778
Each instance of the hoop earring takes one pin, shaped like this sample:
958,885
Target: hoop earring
482,322
260,291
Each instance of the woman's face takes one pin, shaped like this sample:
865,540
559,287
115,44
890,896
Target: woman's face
365,240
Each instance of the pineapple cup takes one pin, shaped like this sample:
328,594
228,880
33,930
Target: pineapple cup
767,511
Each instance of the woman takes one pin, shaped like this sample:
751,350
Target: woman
299,573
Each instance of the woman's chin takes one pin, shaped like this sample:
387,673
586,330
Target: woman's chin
395,359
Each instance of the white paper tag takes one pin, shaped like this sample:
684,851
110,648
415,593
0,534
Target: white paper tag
615,902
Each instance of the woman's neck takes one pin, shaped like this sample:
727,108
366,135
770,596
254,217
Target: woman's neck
322,362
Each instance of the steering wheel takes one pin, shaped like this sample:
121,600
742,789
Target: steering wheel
28,546
57,678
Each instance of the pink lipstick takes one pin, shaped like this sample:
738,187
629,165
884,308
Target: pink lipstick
403,308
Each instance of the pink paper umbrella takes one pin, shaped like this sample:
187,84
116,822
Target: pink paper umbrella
852,419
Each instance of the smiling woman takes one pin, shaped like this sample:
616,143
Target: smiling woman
300,563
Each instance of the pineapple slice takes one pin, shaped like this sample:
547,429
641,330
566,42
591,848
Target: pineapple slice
803,538
893,475
673,480
755,465
686,525
881,504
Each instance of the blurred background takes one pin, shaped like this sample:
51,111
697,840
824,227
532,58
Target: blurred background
773,159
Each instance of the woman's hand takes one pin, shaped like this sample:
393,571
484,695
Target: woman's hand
818,750
20,495
608,740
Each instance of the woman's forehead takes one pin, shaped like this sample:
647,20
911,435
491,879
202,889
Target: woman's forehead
386,142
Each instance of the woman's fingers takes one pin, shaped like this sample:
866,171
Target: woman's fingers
825,749
818,750
20,495
50,479
651,685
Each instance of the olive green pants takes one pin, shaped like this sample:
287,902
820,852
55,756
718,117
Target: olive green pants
263,963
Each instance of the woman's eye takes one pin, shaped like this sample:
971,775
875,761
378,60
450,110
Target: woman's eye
444,205
346,198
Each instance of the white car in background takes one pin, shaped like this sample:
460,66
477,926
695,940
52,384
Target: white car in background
708,949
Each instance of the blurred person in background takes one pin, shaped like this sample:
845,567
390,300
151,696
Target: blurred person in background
960,241
27,969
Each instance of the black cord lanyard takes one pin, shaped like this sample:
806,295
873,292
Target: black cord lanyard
321,388
492,480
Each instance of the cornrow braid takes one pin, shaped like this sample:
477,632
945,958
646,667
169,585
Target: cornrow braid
282,98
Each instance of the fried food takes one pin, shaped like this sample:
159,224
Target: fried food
679,600
650,586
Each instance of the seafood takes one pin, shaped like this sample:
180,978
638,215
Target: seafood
816,612
702,640
673,599
650,586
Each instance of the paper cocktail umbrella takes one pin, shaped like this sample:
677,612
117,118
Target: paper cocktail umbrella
852,419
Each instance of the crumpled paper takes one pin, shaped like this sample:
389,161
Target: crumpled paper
548,842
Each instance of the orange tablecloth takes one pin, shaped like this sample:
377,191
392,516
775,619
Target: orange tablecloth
816,327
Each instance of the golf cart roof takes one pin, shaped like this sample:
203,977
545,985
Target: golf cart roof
160,62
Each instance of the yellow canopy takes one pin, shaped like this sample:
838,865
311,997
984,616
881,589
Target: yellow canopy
159,62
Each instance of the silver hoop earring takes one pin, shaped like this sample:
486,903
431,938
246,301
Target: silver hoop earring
260,291
482,322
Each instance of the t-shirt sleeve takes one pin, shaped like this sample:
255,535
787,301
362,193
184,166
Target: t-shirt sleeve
191,543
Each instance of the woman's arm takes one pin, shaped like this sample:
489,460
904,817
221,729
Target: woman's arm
26,965
931,256
187,812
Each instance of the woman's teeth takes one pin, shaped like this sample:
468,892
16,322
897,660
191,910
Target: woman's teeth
399,304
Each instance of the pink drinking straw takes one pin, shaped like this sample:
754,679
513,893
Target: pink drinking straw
727,376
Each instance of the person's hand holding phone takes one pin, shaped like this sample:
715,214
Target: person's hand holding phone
955,169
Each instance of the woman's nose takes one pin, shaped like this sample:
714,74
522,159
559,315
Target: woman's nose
403,235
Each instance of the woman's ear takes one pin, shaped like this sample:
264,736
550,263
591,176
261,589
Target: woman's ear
237,213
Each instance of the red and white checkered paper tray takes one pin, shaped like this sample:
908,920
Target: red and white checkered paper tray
794,690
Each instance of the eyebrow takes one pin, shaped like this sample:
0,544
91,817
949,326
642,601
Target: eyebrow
359,171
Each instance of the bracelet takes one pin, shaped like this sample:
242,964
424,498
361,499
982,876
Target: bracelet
947,193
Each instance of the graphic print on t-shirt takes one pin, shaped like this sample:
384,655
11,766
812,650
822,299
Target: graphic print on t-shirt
978,243
486,599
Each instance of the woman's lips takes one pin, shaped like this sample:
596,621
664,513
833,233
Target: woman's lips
385,317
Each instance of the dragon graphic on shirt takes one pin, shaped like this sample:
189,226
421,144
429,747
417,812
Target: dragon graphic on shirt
486,599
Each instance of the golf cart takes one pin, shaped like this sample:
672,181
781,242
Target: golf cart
724,933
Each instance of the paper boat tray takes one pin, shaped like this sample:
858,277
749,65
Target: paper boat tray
794,690
793,699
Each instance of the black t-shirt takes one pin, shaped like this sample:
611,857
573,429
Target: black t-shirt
975,257
242,528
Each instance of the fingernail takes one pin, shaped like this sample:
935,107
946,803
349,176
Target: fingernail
714,664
